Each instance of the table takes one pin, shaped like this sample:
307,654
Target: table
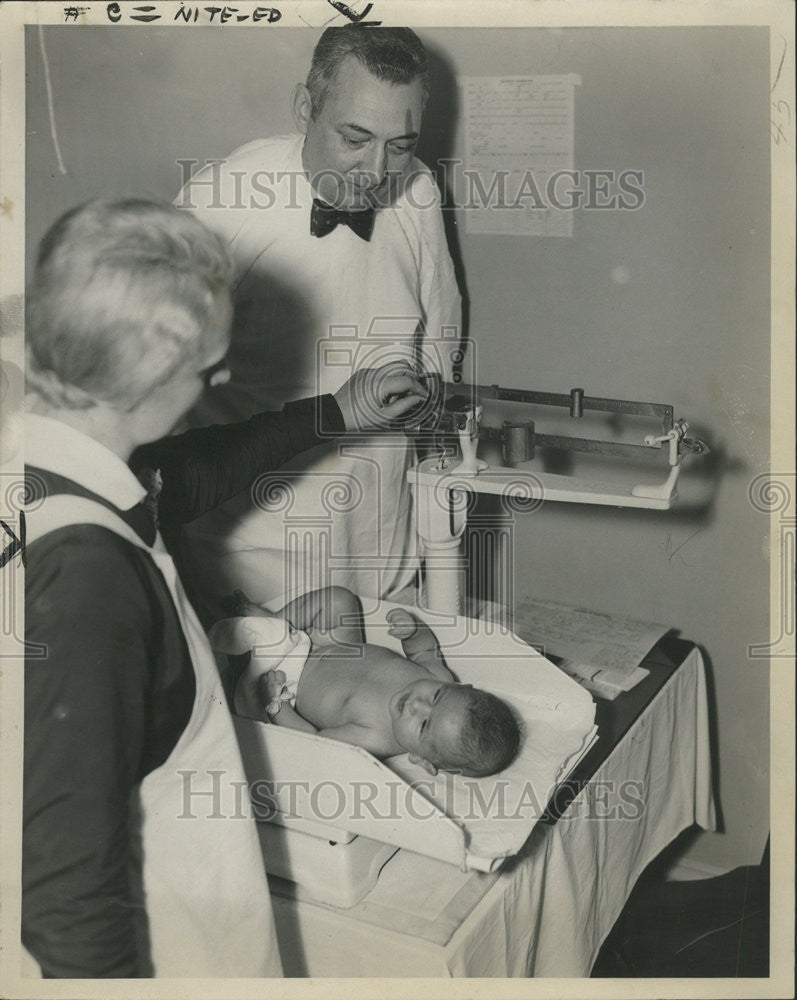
548,910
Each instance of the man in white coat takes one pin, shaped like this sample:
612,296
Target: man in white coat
337,239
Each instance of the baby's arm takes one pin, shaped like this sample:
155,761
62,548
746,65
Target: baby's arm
269,688
419,643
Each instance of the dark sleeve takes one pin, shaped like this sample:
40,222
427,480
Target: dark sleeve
204,467
85,697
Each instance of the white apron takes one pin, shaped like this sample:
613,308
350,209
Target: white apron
207,904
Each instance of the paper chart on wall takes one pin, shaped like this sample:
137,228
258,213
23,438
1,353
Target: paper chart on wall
517,178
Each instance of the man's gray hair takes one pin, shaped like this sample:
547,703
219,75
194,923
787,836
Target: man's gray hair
395,55
125,294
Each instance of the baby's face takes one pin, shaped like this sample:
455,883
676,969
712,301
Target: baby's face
427,717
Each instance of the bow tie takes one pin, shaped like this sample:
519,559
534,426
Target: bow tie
324,218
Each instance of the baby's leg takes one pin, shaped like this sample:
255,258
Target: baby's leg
238,605
332,614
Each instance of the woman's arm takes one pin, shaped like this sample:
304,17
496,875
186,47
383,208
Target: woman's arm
86,716
202,468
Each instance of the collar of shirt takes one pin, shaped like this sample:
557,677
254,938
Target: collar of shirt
61,449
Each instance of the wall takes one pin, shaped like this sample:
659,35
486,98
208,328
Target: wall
687,323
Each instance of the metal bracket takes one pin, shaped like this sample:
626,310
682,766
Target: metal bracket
441,486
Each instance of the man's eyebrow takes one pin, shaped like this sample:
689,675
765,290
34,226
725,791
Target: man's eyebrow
355,128
365,131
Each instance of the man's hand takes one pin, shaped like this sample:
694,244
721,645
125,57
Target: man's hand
374,398
401,624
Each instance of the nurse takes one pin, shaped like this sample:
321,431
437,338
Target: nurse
129,867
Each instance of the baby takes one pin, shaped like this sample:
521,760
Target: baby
365,694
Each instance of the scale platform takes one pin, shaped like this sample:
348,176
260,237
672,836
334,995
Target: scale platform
525,482
330,814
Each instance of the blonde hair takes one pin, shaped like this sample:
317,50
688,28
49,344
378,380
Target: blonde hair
125,294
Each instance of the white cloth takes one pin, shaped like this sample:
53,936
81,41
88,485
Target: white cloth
59,448
308,312
206,902
550,911
272,642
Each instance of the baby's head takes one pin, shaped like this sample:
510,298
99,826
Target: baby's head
490,737
454,727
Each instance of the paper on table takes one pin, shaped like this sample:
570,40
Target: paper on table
602,651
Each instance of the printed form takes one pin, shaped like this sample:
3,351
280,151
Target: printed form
518,154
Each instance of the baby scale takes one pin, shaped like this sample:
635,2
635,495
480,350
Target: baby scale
329,814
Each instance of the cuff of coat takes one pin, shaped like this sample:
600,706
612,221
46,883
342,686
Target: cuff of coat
313,421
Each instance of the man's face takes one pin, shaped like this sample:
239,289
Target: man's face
363,139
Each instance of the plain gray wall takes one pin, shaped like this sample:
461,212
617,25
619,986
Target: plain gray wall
690,326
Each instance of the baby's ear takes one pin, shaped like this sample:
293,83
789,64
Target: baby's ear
427,765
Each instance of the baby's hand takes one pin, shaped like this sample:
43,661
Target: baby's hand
270,685
402,625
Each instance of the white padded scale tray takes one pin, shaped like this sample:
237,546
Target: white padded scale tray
335,791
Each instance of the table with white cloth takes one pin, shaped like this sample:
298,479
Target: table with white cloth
547,911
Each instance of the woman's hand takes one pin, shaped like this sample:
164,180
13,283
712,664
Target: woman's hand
374,398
